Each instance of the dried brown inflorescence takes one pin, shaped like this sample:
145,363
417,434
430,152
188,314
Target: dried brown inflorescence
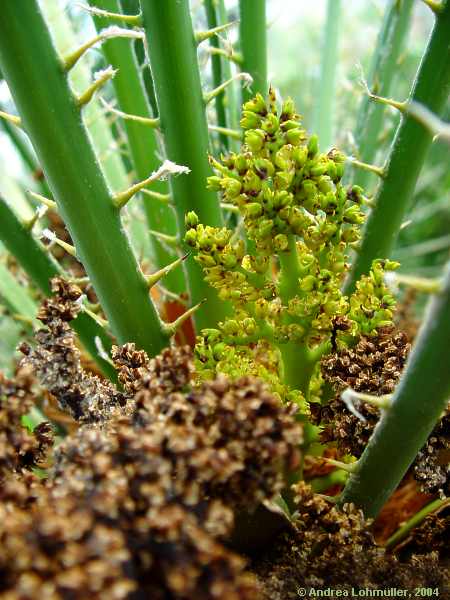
19,448
432,465
56,360
140,497
334,548
373,366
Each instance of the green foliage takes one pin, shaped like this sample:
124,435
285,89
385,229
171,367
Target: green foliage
302,223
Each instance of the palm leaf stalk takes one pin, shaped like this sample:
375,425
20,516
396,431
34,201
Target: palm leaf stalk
409,149
41,268
173,58
324,114
212,16
418,401
95,120
142,141
253,40
52,118
390,44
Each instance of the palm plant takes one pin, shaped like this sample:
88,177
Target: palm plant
290,264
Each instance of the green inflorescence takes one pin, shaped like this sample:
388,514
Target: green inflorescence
284,277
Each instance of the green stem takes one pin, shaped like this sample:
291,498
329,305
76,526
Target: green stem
40,267
415,520
130,93
211,9
411,144
417,404
288,282
298,366
324,114
232,104
173,57
298,360
383,67
321,484
66,40
253,38
52,119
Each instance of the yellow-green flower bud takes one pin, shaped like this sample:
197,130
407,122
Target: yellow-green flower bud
271,123
295,136
355,194
252,183
231,327
331,307
254,138
249,326
283,158
313,145
265,228
205,260
283,180
300,155
261,308
256,104
250,120
229,261
191,220
214,183
353,215
350,235
264,168
288,109
241,163
219,350
210,334
281,199
319,169
310,189
308,283
191,237
253,209
280,242
232,187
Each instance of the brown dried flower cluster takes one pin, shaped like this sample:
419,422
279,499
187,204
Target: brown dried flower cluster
373,366
138,507
56,360
332,547
432,465
20,449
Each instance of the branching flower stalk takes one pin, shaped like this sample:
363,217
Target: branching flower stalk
410,146
52,118
417,404
303,223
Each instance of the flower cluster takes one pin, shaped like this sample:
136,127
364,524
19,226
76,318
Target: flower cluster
284,277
